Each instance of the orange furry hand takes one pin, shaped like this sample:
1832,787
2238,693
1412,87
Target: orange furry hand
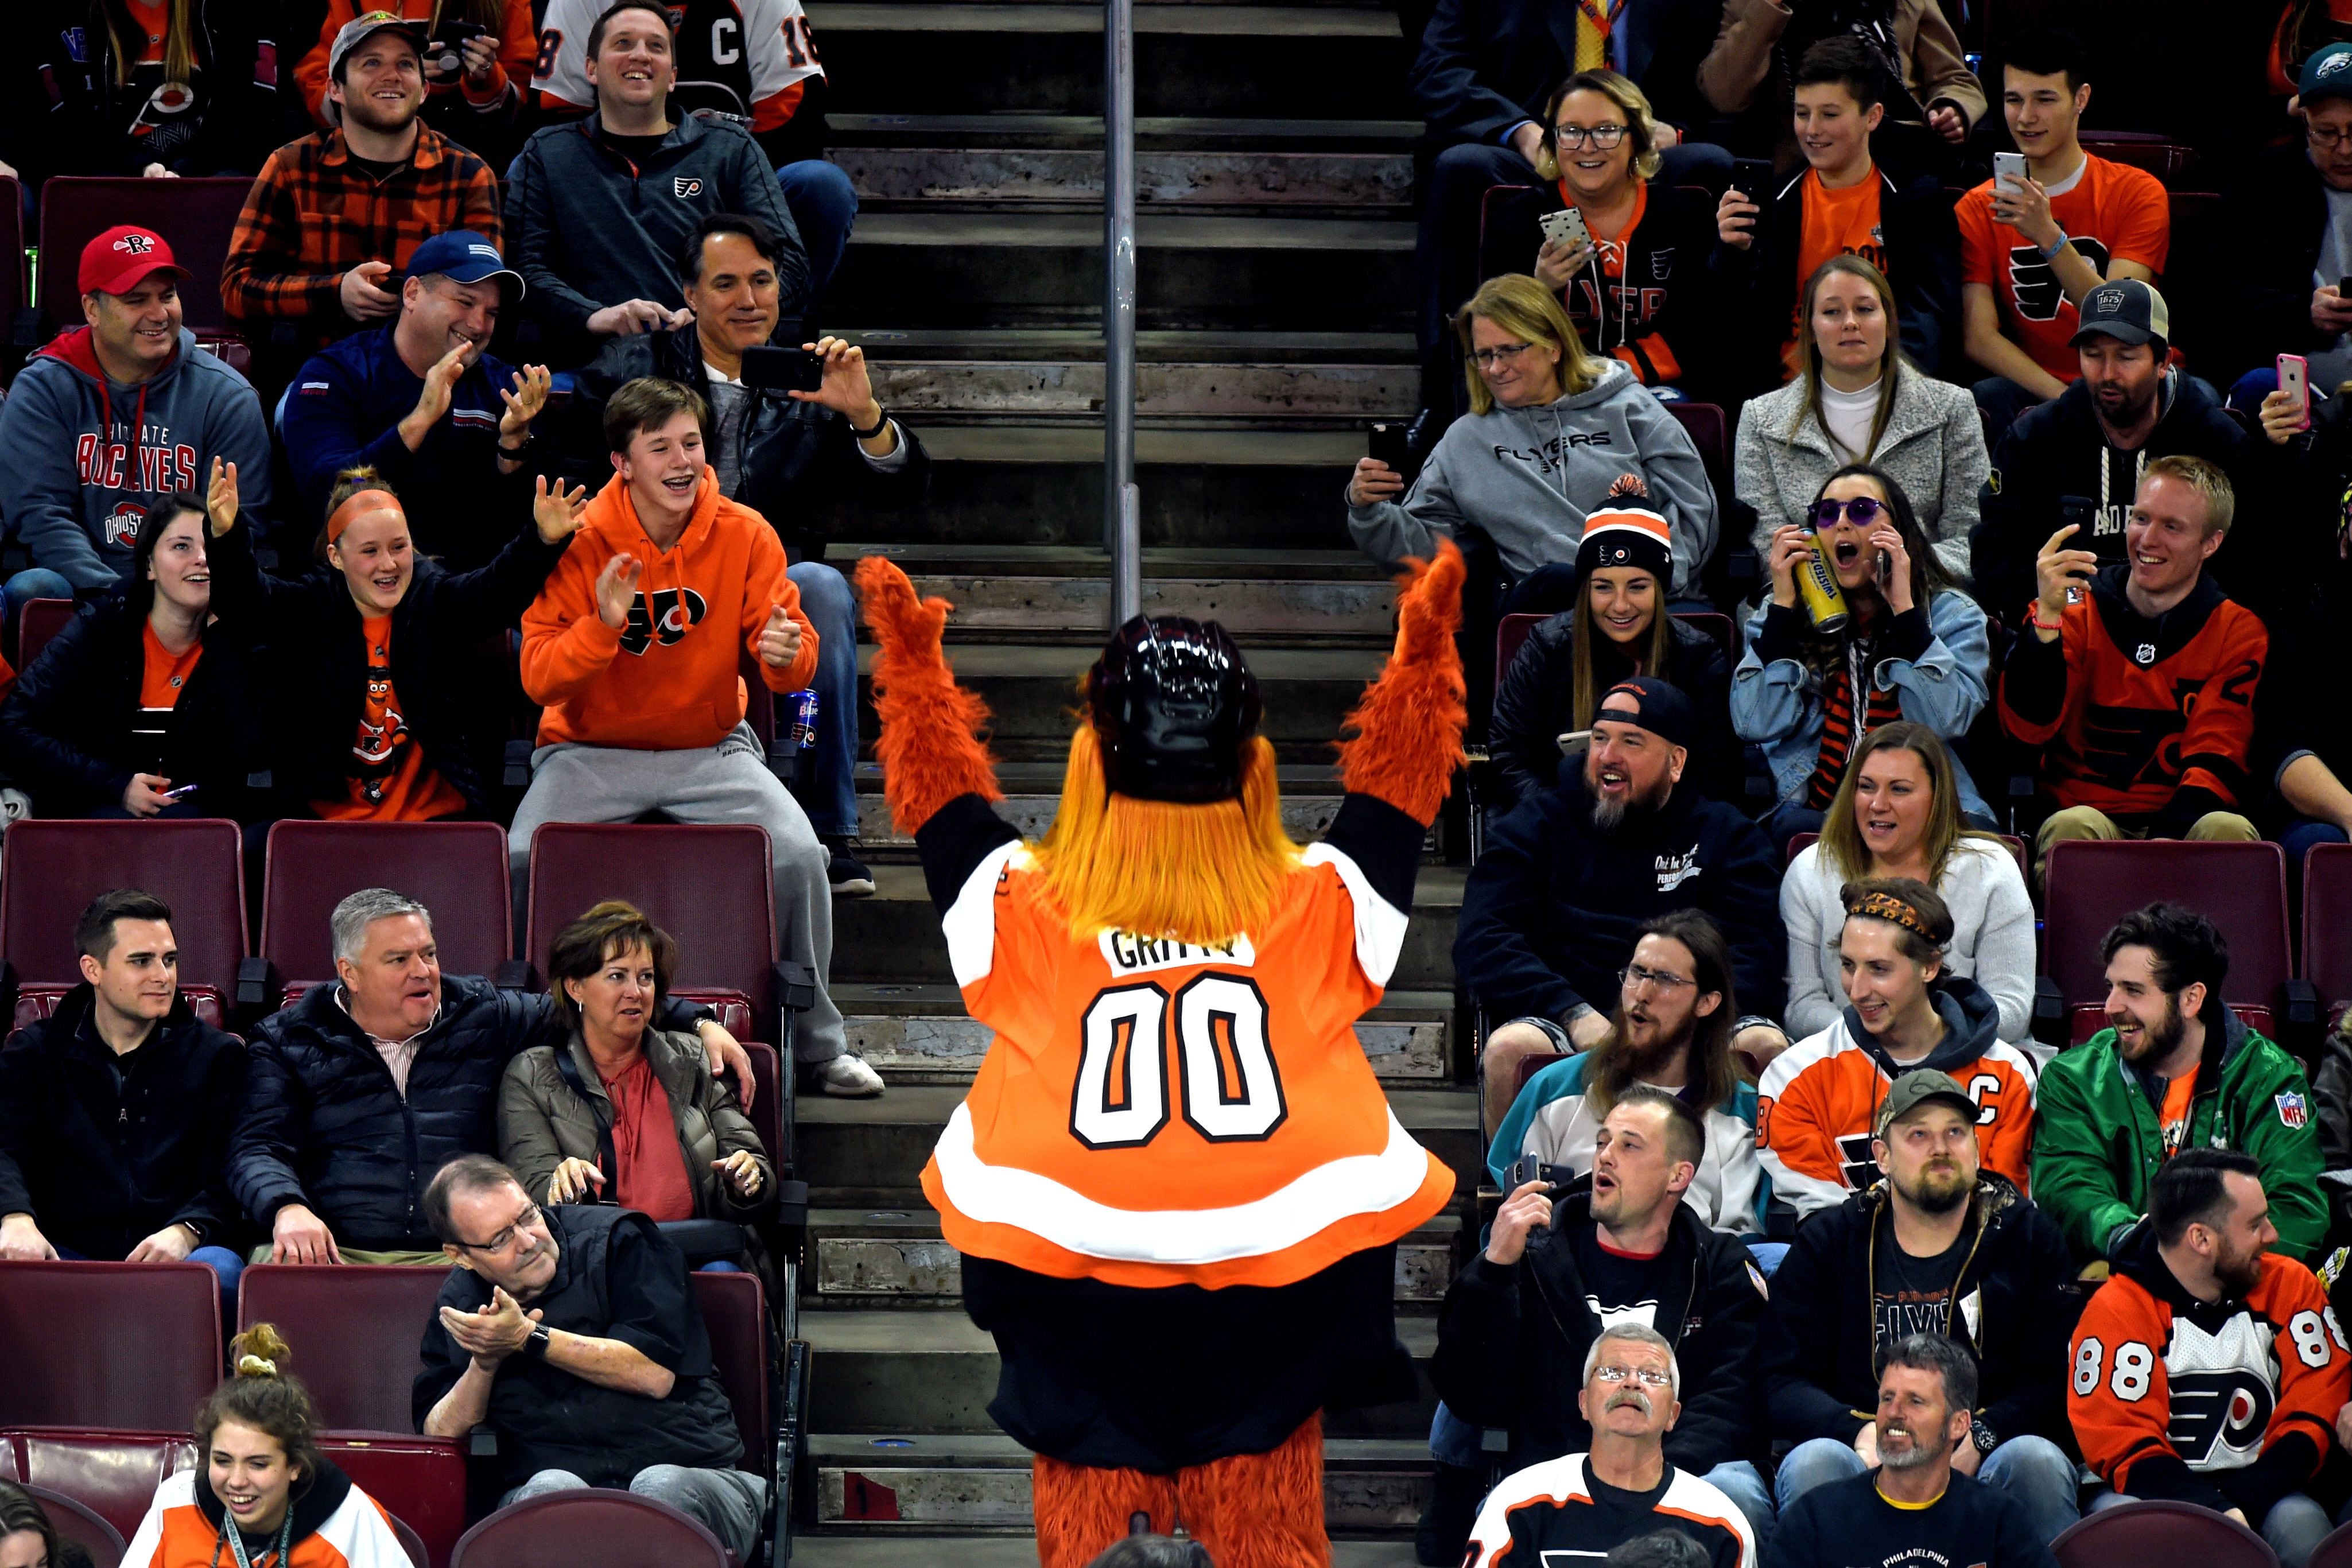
1408,729
928,745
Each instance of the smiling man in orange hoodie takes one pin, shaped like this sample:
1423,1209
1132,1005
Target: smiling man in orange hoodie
635,648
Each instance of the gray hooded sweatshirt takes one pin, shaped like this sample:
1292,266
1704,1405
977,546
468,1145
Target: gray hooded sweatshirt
87,457
1526,477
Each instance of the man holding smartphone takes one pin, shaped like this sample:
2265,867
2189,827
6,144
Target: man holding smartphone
2288,295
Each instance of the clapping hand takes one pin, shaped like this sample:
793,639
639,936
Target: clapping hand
558,511
617,589
526,401
220,497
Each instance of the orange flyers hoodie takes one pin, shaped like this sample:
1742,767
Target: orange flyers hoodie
671,679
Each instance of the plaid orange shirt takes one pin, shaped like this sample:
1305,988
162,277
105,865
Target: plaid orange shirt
312,214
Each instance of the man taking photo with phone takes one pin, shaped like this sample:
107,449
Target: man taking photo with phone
2287,296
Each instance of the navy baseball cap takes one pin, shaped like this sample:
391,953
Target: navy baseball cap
2128,311
2326,74
464,257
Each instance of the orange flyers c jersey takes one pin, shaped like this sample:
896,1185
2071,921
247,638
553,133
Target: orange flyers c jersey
1817,1107
1153,1114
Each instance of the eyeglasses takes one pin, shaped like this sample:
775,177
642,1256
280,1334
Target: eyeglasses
1604,137
527,1220
1633,977
2328,140
1647,1376
1862,512
1487,359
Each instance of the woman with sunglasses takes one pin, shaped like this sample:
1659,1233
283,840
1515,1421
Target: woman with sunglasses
1855,399
1913,646
1600,152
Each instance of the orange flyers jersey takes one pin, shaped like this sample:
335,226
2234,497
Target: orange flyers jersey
2206,1385
1818,1105
176,1534
1152,1114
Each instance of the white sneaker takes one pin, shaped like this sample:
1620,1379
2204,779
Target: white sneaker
849,1078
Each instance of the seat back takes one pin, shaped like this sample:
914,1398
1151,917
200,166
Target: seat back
112,1474
195,217
37,623
1705,425
1491,260
81,1525
2327,921
1510,635
2336,1551
411,1542
375,1316
1799,842
2161,1532
49,871
738,1321
2241,888
2168,159
420,1481
107,1344
1721,627
457,870
709,887
564,1530
11,248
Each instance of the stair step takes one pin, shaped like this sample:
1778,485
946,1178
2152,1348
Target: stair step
1009,1550
932,177
920,1033
898,1254
871,1153
931,1372
1288,394
953,560
893,1485
1153,133
989,607
951,344
965,269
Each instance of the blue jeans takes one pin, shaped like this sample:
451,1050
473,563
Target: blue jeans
828,791
34,583
823,207
2031,1470
2292,1527
2300,838
227,1265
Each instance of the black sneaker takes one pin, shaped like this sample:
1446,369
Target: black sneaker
848,875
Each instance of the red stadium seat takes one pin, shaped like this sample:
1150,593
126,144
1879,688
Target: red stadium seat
420,1481
107,1344
567,1530
12,247
2336,1551
457,870
1536,1062
81,1525
49,871
2328,924
37,623
372,1316
2168,161
2089,885
1704,423
737,1321
115,1474
411,1542
195,217
1510,635
1489,206
2164,1532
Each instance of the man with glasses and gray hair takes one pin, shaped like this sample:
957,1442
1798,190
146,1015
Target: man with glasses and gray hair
573,1333
1583,1506
359,1091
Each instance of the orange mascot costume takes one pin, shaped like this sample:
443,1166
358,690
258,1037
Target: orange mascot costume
1176,1185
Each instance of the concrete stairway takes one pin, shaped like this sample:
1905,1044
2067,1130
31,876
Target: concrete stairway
1274,163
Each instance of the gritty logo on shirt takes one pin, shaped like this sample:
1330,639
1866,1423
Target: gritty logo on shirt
665,618
1674,870
687,186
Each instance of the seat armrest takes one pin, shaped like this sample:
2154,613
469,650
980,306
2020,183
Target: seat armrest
2048,1012
795,986
255,982
518,764
515,974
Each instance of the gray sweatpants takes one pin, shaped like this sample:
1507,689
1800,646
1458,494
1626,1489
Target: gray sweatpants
728,783
726,1502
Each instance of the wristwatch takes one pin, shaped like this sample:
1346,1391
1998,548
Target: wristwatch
535,1347
1979,1434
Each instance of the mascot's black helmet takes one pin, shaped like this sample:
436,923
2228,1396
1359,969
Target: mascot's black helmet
1172,704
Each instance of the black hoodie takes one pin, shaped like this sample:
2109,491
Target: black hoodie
1512,1339
2018,1301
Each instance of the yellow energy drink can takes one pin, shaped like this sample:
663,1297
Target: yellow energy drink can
1817,585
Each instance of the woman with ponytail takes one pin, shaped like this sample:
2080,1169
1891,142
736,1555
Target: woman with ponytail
263,1497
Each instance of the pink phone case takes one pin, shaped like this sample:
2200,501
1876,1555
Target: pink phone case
2294,377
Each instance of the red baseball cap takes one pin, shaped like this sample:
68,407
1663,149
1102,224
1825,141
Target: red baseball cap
116,261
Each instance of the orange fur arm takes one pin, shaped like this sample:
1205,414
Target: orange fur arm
1408,729
929,747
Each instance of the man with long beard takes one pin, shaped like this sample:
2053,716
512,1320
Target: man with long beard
1553,907
1937,1247
2207,1369
2176,1069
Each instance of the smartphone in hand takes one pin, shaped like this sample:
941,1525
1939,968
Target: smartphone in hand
2078,511
2295,379
1525,1169
1391,445
1752,178
2008,169
776,369
1566,229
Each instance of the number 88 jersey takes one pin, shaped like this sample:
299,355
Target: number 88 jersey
1152,1114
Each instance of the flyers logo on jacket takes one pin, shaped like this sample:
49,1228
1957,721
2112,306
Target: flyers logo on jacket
665,619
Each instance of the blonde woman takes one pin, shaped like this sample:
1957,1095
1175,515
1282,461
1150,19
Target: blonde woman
1856,399
1552,429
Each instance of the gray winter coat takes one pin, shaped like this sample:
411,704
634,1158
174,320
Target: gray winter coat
1933,447
1526,477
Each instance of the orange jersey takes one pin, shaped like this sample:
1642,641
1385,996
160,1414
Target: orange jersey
2113,213
389,779
1152,1114
175,1533
1818,1105
1843,221
2158,1376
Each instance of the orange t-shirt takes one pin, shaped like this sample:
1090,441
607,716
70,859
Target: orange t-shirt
2112,211
389,779
2172,1122
1836,222
161,678
153,19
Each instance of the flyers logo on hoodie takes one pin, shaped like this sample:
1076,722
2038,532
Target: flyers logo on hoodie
662,619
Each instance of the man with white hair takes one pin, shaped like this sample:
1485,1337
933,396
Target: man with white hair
1583,1504
360,1091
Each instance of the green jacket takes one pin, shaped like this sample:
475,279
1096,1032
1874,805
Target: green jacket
2098,1145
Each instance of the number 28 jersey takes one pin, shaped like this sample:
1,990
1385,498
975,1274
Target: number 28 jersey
1152,1114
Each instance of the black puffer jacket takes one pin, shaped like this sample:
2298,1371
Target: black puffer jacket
797,457
2018,1301
1512,1341
313,625
324,1126
66,730
1534,706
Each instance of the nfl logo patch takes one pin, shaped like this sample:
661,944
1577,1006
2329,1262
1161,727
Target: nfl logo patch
2293,1111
